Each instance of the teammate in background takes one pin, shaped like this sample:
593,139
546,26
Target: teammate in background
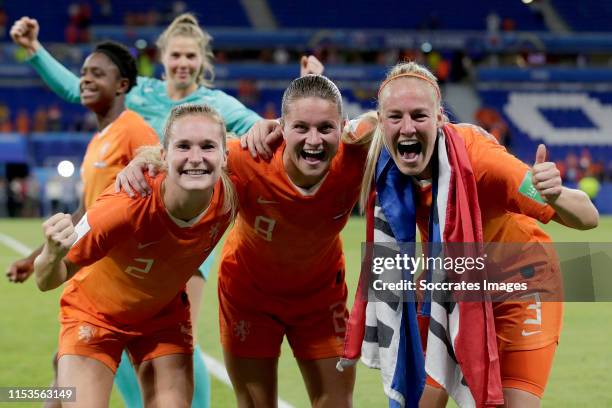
282,269
188,72
411,121
127,262
107,76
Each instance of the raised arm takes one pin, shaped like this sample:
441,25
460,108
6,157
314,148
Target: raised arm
573,208
50,268
61,81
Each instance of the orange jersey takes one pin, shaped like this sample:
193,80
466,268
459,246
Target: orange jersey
110,150
135,257
508,203
509,211
285,242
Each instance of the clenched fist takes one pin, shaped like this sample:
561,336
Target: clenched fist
59,234
24,32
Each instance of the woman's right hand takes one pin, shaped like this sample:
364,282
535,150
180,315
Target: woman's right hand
261,137
24,33
131,179
310,65
59,235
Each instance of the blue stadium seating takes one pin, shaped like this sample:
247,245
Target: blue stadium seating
585,15
402,14
53,15
31,98
464,15
562,119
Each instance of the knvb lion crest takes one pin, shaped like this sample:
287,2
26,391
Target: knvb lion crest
86,333
241,329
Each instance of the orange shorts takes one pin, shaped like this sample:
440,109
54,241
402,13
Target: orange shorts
253,325
526,370
167,333
527,337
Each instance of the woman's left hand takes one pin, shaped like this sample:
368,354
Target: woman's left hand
546,177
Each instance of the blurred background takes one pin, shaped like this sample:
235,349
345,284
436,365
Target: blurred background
527,71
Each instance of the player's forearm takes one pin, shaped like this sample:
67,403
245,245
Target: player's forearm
61,81
50,270
31,50
574,209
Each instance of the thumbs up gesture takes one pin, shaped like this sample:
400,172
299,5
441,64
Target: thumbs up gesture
546,177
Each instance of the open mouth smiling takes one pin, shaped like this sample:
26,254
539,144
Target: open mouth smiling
409,149
313,154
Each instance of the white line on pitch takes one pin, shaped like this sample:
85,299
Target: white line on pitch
215,367
14,244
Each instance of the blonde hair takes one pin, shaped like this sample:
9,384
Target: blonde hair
404,69
186,25
152,154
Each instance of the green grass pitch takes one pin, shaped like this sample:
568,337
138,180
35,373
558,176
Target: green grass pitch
581,375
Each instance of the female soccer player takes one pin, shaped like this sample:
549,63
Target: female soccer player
511,196
188,72
127,262
270,283
107,76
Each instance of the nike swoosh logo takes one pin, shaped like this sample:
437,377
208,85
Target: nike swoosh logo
260,200
142,246
526,333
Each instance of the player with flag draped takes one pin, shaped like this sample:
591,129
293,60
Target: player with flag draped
455,184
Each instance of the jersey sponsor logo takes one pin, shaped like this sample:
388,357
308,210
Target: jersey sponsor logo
144,245
86,333
81,228
261,200
528,189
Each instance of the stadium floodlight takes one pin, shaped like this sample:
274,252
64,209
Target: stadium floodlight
426,47
65,168
141,44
